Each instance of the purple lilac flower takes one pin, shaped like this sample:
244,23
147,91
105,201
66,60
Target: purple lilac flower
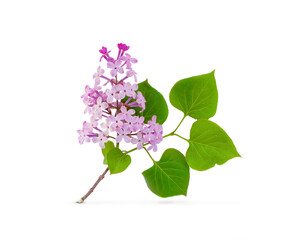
103,50
116,67
97,76
123,134
125,113
128,60
130,89
83,134
116,122
107,127
123,47
139,140
119,92
112,118
132,73
102,139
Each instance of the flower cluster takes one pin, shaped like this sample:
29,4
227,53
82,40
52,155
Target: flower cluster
111,101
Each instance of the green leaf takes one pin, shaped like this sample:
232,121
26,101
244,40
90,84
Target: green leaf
170,176
108,146
196,97
117,160
155,103
209,144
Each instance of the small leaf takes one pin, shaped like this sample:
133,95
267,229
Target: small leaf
117,160
155,103
209,144
170,176
108,146
196,97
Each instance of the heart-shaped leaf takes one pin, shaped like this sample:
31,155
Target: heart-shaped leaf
108,146
170,176
117,160
196,97
155,103
209,144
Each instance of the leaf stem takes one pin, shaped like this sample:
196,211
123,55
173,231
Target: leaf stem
149,154
179,123
133,149
101,177
181,137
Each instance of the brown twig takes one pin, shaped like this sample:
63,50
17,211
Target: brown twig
94,186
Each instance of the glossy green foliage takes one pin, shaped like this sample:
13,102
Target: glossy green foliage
209,145
170,176
155,103
108,146
196,97
117,160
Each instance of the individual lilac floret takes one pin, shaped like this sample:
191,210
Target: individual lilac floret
107,127
84,133
103,50
126,113
139,140
116,68
132,73
123,47
130,90
111,116
97,76
117,122
99,105
128,60
102,139
141,101
123,134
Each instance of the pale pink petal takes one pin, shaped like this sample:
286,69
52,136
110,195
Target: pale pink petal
131,111
95,139
110,65
117,63
123,109
101,144
128,65
120,70
110,99
113,72
104,105
122,95
150,147
118,138
155,148
139,146
134,87
112,118
100,71
127,139
99,100
128,56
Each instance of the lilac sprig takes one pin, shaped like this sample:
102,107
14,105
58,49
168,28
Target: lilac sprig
110,116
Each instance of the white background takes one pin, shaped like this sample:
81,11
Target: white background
49,52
